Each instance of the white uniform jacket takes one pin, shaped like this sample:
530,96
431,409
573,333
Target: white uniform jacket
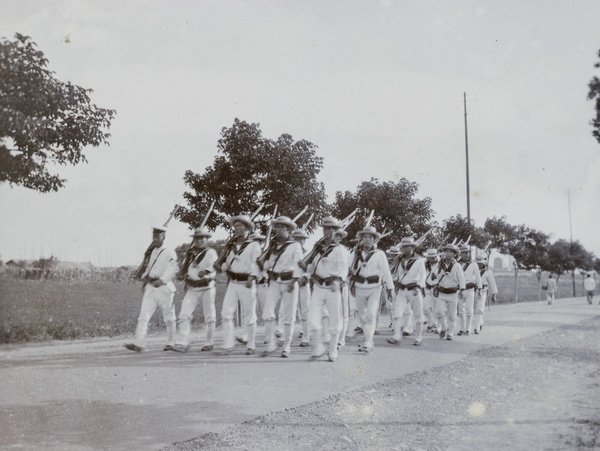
242,259
204,261
472,276
488,282
162,265
366,266
410,272
331,261
450,276
431,271
282,263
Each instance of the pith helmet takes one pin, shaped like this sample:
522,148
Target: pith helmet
430,253
299,233
330,221
452,247
244,219
284,220
481,258
408,241
341,233
199,232
393,250
370,230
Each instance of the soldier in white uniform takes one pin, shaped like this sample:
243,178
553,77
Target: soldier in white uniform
281,263
488,291
346,305
408,273
328,266
431,262
243,272
450,282
472,284
300,236
199,274
157,273
369,270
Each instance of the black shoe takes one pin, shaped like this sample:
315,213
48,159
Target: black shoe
133,347
460,332
169,348
241,340
284,354
359,330
467,332
304,344
180,348
442,334
207,348
476,332
250,351
405,334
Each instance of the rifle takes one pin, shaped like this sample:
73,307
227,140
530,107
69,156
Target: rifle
422,237
307,222
263,256
188,254
306,260
142,268
232,240
444,241
299,214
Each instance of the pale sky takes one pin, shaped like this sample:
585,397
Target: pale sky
376,85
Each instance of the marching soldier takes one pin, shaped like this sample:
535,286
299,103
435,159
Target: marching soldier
301,236
346,307
281,263
241,255
328,265
369,271
472,283
157,273
409,274
431,262
199,275
450,281
488,290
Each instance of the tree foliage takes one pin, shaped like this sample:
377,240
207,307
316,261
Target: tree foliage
458,227
250,170
594,94
396,209
42,120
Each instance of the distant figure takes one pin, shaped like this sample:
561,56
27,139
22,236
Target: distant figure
550,289
589,285
157,273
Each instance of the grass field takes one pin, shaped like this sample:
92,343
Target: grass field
40,310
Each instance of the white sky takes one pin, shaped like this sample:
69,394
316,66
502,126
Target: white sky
377,85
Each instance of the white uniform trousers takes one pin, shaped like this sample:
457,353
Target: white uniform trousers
412,299
193,297
429,308
303,307
368,300
466,303
237,291
345,314
407,319
445,311
480,301
278,292
156,297
325,300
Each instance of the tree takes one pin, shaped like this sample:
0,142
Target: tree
250,170
43,121
458,227
594,93
396,209
528,247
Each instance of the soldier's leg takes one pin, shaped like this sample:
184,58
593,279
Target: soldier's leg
230,302
399,307
149,305
289,302
248,303
441,313
188,305
315,319
304,302
271,299
452,301
165,301
210,314
416,303
470,298
373,298
479,310
345,315
407,320
334,308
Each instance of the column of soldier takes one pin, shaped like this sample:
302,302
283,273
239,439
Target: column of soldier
336,292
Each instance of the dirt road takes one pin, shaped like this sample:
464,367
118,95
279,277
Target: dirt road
97,395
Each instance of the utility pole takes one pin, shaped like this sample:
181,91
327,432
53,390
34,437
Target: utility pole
467,160
571,233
